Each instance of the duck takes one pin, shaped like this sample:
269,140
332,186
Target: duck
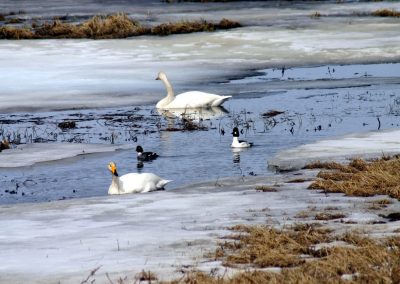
192,99
134,182
145,156
236,143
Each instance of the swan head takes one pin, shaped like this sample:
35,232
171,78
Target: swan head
235,132
139,149
113,168
161,76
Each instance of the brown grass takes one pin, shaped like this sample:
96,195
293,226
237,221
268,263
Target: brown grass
112,26
360,178
4,145
324,216
386,13
379,204
265,188
271,113
366,260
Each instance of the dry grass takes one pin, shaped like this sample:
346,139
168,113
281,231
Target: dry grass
4,145
386,13
324,216
265,246
379,204
265,188
112,26
364,260
271,113
360,178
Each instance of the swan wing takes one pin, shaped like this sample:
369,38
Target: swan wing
196,99
132,183
145,182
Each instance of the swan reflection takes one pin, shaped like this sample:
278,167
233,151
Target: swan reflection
195,114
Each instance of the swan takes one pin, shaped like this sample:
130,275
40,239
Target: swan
236,143
145,156
133,182
192,99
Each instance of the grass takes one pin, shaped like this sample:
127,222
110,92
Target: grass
306,254
265,188
4,145
360,178
386,13
105,27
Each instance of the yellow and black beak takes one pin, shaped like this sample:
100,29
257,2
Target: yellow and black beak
113,168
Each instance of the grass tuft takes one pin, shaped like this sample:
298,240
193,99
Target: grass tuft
362,259
386,13
105,27
360,178
265,188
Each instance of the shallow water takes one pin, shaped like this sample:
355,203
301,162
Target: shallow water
107,87
344,105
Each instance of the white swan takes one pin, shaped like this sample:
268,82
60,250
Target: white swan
192,99
133,182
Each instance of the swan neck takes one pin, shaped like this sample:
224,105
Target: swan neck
168,86
115,183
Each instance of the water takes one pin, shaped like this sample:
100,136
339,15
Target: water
108,88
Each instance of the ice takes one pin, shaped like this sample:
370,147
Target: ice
64,74
160,231
364,145
30,154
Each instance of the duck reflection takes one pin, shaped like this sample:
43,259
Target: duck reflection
236,155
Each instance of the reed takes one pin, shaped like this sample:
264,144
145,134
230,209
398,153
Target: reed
386,13
361,260
106,27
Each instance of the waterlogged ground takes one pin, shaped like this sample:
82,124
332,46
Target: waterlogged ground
317,102
334,75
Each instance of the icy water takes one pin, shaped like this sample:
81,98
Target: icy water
282,60
345,104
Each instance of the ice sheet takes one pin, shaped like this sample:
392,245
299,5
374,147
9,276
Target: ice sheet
163,232
30,154
365,145
64,74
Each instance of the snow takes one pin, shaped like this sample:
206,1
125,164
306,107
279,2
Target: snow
64,74
30,154
367,145
161,231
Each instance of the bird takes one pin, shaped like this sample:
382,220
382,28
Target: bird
134,182
236,143
145,156
192,99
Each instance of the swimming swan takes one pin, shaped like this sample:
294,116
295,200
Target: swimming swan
192,99
133,182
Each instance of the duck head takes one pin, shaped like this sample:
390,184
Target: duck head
113,168
235,132
139,149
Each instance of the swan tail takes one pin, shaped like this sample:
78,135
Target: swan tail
221,100
162,183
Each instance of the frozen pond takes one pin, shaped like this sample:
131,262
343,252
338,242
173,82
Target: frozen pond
313,69
335,78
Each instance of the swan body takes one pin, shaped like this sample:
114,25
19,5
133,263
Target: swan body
134,182
145,156
192,99
236,143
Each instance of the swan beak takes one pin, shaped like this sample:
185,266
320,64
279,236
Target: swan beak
112,167
158,78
